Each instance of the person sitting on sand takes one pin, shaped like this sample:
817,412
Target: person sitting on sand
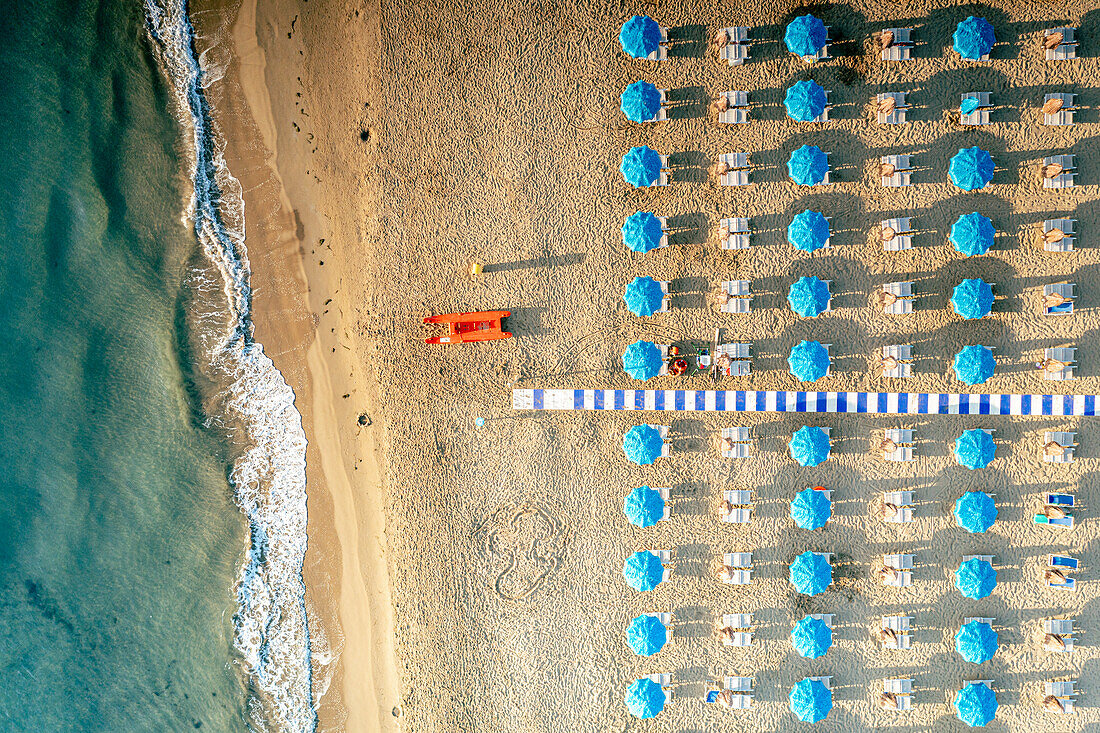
1054,448
1053,704
1052,366
721,40
1054,643
1053,300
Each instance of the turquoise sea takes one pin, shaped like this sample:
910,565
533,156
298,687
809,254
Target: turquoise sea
151,483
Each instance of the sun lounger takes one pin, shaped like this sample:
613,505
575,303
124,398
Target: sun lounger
828,618
742,439
737,702
900,642
738,684
898,561
1066,226
739,515
737,620
1064,501
737,496
735,351
902,169
1058,626
1065,354
824,116
739,164
1061,688
740,577
1065,179
738,229
895,116
738,559
897,623
666,302
903,237
898,498
1063,116
1068,584
900,436
898,686
827,555
899,50
1067,49
827,681
980,116
903,291
904,354
901,454
740,296
666,560
1068,441
987,558
823,52
899,579
1063,562
664,679
1066,290
736,52
664,232
738,113
1066,522
979,619
664,493
1067,706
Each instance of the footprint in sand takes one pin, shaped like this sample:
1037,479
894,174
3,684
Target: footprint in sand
527,544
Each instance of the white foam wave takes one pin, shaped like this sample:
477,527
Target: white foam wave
271,630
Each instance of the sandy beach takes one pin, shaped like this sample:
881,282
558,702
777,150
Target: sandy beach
466,578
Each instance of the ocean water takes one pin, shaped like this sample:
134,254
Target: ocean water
152,480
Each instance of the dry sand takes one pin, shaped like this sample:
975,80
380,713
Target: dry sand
429,136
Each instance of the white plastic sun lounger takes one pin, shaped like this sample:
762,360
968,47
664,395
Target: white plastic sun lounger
1068,584
738,229
898,561
895,117
1067,706
740,296
742,439
1061,688
898,498
738,684
904,354
1059,626
1065,354
823,52
739,638
900,49
664,679
737,620
738,559
902,171
901,454
900,579
1067,50
738,113
1064,116
664,232
979,619
735,54
827,681
1066,227
1068,441
737,496
903,237
739,515
903,642
898,686
1066,290
735,351
739,164
987,558
980,116
1065,179
740,577
897,623
904,303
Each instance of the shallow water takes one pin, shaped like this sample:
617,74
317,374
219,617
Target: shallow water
120,542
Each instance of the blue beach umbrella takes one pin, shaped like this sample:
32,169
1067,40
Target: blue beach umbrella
974,365
805,101
642,232
805,36
809,297
643,571
808,165
643,444
640,102
975,704
975,578
811,574
973,38
645,698
809,446
971,168
641,166
976,642
811,637
972,234
808,231
809,361
811,700
972,298
811,509
643,296
644,506
640,36
646,635
975,449
975,511
642,360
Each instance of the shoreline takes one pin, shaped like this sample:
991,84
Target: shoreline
347,586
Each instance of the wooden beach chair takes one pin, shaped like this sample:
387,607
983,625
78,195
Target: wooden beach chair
903,234
903,291
900,49
903,167
1064,51
738,113
738,237
1065,354
1067,291
980,116
738,175
741,439
897,115
903,353
740,296
1068,442
1063,244
1065,179
1064,115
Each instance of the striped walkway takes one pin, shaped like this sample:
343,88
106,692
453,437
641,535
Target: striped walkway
881,403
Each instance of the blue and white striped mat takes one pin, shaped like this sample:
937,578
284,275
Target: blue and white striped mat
884,403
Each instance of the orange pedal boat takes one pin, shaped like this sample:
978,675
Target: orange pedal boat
467,327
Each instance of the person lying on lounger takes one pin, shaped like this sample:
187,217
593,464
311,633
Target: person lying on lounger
888,701
1053,300
721,40
1053,704
1054,448
722,103
1054,643
1051,365
888,637
887,446
889,511
726,574
886,40
888,363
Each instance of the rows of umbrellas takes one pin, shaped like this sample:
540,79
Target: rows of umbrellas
641,37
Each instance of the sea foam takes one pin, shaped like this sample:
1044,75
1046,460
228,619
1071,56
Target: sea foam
268,477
